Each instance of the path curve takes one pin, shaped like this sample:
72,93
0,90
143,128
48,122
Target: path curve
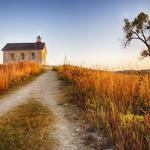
46,89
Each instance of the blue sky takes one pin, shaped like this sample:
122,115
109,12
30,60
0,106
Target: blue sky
88,32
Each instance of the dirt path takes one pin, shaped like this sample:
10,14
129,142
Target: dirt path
46,89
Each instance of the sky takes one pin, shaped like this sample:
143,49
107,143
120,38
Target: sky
87,32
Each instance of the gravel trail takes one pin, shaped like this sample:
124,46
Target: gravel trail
46,89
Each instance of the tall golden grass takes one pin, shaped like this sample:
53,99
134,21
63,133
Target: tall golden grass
116,103
18,71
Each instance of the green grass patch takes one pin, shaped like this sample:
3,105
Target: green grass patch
55,68
27,127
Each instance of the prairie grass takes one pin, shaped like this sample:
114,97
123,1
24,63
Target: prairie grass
27,127
117,104
17,72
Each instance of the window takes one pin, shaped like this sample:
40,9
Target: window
22,56
33,55
12,56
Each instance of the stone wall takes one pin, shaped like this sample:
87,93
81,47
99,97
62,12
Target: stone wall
17,56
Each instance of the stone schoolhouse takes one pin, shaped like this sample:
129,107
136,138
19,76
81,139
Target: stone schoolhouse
14,52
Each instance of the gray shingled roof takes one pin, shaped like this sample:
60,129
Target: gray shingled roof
24,46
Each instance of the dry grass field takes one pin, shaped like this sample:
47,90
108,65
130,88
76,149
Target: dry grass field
117,104
17,72
27,127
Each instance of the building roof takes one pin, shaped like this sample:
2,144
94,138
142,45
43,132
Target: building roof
24,46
